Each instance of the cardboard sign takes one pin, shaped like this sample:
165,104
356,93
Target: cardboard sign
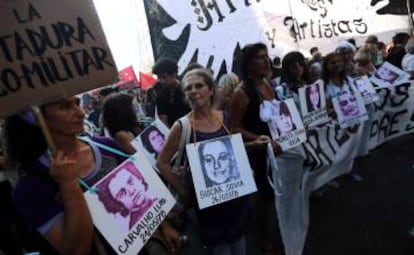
50,50
350,109
130,204
388,75
313,104
220,169
286,126
365,88
151,141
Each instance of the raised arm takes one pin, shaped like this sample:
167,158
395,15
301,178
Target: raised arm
74,233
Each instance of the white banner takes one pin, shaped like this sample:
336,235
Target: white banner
210,32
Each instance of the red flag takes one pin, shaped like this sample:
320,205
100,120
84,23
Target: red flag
127,74
146,80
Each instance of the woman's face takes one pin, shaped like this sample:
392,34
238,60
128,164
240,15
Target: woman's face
260,64
217,162
156,139
360,84
335,64
127,189
314,96
349,105
296,70
284,123
386,74
197,92
65,117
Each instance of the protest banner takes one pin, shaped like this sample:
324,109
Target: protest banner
365,88
388,75
50,50
286,25
285,125
313,104
130,203
220,171
151,141
328,153
350,109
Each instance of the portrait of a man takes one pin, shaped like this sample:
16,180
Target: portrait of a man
218,162
348,105
125,193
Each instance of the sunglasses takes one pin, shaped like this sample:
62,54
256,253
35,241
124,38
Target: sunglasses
197,86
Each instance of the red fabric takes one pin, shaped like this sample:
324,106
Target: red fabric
146,80
127,74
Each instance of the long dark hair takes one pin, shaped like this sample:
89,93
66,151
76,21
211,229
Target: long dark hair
326,74
288,61
119,115
308,99
248,53
24,139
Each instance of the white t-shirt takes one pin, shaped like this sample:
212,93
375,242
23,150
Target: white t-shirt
408,62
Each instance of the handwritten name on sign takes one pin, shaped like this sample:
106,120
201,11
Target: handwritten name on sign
50,50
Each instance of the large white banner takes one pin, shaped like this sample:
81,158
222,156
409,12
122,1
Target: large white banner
328,153
211,31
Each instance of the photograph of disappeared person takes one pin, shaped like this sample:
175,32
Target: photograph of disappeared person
153,140
386,74
362,86
218,162
125,193
284,122
313,98
348,105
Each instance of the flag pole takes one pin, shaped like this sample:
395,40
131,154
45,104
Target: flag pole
410,16
44,128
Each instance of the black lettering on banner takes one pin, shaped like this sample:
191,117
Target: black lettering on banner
340,140
394,121
374,128
385,95
401,95
316,153
410,127
323,28
383,125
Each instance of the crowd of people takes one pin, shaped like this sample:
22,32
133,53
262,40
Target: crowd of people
48,202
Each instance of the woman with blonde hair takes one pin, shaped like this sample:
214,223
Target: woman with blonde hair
226,86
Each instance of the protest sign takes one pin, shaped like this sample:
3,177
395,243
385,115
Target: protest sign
130,203
220,171
313,104
151,141
388,75
350,109
365,88
50,50
286,126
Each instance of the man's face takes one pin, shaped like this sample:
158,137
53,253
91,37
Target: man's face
168,79
217,162
156,140
349,105
127,189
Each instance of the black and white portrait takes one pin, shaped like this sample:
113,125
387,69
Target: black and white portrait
218,162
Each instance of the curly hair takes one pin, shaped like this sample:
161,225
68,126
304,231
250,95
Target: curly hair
118,114
104,194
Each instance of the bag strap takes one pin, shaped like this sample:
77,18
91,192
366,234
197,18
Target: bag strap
184,139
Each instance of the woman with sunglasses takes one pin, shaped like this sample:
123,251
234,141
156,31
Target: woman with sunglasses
221,227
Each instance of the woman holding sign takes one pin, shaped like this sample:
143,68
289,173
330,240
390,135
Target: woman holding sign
245,112
50,193
222,226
